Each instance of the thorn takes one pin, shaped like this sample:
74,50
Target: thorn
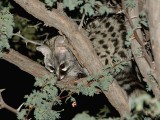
19,108
19,32
1,90
1,99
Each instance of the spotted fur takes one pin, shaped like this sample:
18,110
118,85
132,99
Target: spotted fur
108,35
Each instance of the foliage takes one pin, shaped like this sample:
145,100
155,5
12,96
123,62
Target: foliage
50,3
87,7
103,112
90,8
72,4
42,100
89,89
6,28
129,38
101,80
143,18
83,116
129,3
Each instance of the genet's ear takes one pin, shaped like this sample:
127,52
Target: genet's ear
45,50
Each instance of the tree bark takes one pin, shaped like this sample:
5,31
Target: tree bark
153,10
80,43
25,64
138,42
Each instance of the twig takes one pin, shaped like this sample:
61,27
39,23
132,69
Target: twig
4,105
29,111
26,40
81,23
34,26
66,95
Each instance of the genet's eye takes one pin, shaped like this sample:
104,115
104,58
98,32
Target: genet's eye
50,67
62,66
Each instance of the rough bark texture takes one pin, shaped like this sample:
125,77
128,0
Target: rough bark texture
25,64
138,42
153,10
80,43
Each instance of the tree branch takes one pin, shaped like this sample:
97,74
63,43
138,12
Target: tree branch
144,63
4,105
78,39
154,25
27,40
25,64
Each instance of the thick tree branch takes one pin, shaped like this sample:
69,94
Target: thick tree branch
80,43
25,64
153,10
144,63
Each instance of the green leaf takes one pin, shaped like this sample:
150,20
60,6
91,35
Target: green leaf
87,90
6,28
50,3
103,9
21,114
143,18
92,2
104,84
83,116
45,114
129,3
72,4
128,38
73,99
87,9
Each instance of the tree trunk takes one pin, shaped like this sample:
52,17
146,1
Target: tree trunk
153,10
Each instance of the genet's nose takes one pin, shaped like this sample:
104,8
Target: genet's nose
59,76
81,75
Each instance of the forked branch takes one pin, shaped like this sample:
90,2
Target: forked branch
3,105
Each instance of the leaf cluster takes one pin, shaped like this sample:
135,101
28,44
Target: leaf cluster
103,79
129,3
42,100
87,7
6,25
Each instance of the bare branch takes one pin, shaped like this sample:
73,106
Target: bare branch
4,105
26,40
81,23
25,64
